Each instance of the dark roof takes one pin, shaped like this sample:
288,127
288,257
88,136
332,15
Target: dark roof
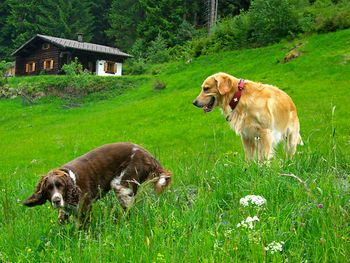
68,43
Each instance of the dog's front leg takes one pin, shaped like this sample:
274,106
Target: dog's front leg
62,216
249,145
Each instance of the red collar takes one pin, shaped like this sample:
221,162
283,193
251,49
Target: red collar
234,101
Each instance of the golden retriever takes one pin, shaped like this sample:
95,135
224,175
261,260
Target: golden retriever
261,114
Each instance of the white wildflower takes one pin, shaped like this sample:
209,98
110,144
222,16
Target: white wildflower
255,200
274,247
248,223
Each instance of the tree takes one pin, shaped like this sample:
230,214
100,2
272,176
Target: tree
124,18
162,17
232,7
101,25
65,19
22,22
5,39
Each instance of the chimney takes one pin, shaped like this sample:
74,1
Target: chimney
80,37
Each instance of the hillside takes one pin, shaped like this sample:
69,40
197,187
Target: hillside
196,219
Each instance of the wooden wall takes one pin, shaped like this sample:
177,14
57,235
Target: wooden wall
38,55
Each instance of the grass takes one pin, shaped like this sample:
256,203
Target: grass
195,220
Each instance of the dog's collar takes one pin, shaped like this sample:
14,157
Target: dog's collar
234,101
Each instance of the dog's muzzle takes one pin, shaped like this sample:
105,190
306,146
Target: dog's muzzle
206,107
57,200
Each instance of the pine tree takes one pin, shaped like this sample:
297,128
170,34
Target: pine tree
162,17
65,19
124,18
5,39
22,21
99,10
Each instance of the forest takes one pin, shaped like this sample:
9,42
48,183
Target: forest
159,30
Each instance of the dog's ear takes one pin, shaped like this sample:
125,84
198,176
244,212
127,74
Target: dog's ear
224,83
40,196
73,192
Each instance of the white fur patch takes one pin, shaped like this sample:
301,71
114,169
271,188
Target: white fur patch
277,136
72,175
162,181
134,149
117,180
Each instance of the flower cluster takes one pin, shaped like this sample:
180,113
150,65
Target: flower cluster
248,223
255,200
274,247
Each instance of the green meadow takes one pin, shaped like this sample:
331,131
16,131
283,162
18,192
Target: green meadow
196,219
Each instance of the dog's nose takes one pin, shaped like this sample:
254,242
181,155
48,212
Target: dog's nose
56,200
195,103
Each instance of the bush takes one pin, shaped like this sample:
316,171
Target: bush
179,52
67,87
4,66
200,46
185,33
232,33
159,85
74,68
328,16
138,49
272,20
157,51
134,66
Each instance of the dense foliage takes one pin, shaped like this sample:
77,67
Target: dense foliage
156,31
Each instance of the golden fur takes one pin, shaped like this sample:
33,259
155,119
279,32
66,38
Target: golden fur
264,114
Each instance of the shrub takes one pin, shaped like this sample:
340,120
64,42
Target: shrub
157,51
4,66
223,35
232,33
138,49
200,46
179,52
159,85
185,33
134,66
328,16
74,68
272,20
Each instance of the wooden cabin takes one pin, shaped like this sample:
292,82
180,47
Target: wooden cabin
46,54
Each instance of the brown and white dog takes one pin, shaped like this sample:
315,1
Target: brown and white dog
261,114
118,166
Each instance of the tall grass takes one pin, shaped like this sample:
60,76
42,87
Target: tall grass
196,219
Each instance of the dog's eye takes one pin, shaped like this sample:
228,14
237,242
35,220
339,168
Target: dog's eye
205,89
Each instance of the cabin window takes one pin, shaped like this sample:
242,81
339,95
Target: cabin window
48,64
110,67
30,67
45,46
